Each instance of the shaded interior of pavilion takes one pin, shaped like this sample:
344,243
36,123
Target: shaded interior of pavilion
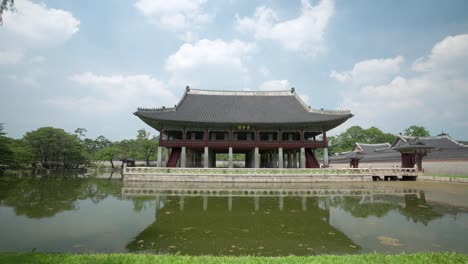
257,149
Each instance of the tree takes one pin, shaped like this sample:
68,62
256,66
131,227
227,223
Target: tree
109,153
93,146
146,145
81,132
416,131
6,155
6,5
356,134
56,148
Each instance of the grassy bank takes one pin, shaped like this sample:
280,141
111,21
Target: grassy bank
141,259
445,175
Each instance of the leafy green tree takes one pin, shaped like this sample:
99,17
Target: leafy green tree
128,147
81,133
146,145
6,154
56,148
356,134
23,154
6,5
93,146
416,131
109,153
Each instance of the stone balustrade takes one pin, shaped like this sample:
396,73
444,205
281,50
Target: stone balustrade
263,174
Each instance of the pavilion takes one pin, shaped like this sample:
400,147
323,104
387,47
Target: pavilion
274,129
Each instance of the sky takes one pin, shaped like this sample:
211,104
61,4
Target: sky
90,64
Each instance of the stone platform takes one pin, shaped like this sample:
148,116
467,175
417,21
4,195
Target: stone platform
157,174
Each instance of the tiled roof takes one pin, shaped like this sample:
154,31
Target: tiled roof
444,148
242,107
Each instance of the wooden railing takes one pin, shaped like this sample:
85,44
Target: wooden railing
242,144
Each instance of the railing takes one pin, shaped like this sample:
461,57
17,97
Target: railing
272,171
172,143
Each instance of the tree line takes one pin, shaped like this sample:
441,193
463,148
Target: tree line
54,148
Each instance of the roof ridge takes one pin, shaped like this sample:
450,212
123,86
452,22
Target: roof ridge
238,92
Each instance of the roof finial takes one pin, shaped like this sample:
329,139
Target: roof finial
187,88
293,90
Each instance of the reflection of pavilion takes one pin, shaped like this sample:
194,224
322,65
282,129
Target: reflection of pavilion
266,219
244,219
196,225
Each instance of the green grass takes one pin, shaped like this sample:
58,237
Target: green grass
445,175
141,259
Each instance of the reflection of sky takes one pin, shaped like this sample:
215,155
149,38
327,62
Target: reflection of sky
113,220
442,234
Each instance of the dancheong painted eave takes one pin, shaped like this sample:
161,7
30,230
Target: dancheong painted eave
261,108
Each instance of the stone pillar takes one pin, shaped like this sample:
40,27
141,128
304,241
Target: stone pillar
256,158
230,158
274,160
325,157
206,158
166,157
280,158
294,159
303,158
159,160
183,158
230,202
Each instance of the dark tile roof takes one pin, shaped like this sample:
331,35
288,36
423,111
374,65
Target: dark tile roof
242,107
444,148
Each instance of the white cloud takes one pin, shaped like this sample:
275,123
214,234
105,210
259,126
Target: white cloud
11,57
451,51
275,85
304,33
209,63
370,71
115,93
431,98
175,14
35,25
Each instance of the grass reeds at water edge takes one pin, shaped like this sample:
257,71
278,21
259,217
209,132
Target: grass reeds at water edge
144,258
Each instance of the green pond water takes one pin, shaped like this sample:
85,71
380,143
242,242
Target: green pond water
101,213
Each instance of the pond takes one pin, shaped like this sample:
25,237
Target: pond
89,213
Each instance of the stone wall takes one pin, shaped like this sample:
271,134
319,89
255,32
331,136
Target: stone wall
450,167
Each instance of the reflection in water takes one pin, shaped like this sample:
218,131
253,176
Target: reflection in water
200,219
276,226
80,214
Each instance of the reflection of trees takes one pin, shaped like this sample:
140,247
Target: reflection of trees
417,209
142,202
243,230
411,206
359,207
43,197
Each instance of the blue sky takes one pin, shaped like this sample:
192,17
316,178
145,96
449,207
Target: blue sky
90,64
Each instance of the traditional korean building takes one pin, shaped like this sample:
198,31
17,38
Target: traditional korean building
274,129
